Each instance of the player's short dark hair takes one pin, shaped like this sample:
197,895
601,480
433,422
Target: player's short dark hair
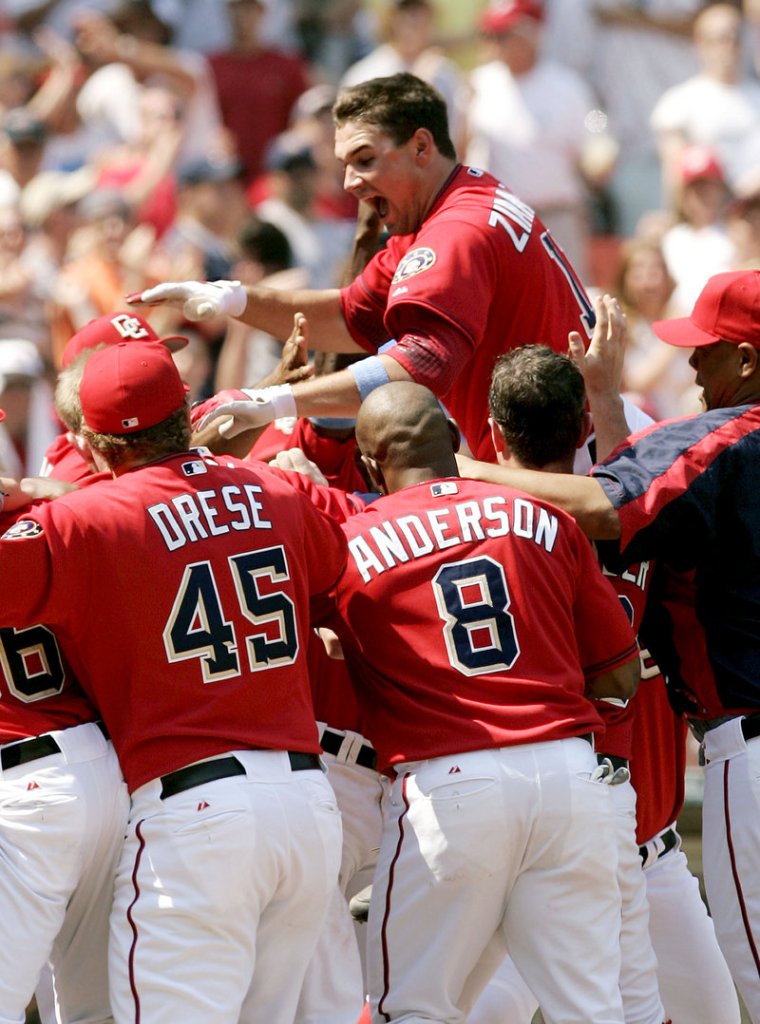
266,244
398,105
169,436
538,398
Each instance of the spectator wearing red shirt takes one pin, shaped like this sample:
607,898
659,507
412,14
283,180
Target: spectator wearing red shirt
256,86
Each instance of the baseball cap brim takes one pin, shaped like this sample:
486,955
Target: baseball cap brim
174,342
683,333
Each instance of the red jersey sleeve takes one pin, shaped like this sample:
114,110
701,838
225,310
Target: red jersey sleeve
603,632
363,301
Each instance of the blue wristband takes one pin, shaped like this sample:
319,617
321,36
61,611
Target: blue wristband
369,374
333,422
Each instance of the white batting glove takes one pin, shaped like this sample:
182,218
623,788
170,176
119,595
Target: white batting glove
264,405
198,300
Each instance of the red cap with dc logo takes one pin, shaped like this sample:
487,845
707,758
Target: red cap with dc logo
112,329
727,309
130,387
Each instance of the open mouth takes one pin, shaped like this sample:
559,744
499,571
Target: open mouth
381,205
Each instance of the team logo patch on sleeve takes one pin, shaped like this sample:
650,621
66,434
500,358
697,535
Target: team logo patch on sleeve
415,261
22,530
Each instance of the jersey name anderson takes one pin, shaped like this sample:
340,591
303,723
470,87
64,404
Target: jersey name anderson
412,536
198,515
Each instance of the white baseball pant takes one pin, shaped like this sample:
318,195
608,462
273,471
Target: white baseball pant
220,894
508,1000
695,983
62,819
511,847
730,857
334,988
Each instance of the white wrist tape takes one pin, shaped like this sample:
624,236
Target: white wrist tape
369,374
279,397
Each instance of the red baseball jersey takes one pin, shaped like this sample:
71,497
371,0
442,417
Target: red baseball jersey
38,690
646,731
470,618
180,593
618,737
481,276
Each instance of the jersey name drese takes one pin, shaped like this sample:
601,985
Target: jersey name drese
412,536
193,516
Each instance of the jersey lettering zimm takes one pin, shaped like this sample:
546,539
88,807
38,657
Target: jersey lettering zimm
389,544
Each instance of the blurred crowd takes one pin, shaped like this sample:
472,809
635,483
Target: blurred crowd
192,139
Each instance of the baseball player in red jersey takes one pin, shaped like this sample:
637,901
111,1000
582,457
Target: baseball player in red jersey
537,405
63,808
179,593
490,606
684,491
468,273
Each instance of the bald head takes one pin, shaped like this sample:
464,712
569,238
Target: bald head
402,429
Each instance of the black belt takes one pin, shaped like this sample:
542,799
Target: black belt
224,768
23,751
751,727
615,761
669,840
332,741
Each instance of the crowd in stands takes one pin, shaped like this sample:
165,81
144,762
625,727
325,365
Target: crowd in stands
192,139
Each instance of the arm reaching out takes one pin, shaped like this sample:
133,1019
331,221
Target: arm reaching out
602,368
581,496
268,309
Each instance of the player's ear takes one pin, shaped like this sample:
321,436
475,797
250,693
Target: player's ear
422,145
497,436
374,473
748,359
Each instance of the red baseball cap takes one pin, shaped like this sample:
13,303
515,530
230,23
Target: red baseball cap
698,163
501,16
113,329
728,309
129,387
